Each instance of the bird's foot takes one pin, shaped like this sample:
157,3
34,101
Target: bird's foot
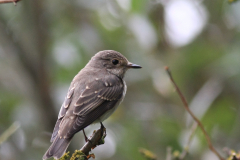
86,138
103,129
103,134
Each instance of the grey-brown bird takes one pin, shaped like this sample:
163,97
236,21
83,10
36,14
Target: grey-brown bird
93,96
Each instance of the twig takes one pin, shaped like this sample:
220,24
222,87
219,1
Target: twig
147,154
9,1
12,129
186,148
193,116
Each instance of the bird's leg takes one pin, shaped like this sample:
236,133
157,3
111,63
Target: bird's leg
102,126
103,129
86,138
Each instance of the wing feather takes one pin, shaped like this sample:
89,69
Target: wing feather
62,112
96,93
83,121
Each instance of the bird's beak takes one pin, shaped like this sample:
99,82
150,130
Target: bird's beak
131,65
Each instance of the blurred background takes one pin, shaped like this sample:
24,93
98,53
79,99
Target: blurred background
45,43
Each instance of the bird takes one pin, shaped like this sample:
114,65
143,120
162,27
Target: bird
94,94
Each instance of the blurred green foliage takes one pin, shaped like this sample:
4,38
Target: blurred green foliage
44,44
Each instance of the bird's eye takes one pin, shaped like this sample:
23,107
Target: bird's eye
115,61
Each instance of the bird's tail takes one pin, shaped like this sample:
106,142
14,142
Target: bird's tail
57,148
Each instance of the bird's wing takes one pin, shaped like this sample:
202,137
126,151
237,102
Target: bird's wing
98,97
96,93
62,112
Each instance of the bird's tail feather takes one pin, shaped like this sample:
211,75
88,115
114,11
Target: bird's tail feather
57,148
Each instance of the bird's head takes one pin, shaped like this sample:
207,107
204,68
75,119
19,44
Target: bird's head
113,61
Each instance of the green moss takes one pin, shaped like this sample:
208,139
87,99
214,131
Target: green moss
65,156
78,155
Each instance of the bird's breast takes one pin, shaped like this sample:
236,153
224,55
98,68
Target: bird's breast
111,111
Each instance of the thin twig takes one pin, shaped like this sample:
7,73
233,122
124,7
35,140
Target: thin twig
193,116
148,154
6,134
186,148
9,1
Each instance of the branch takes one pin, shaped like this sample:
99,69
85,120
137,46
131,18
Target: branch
193,116
96,139
36,71
10,1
